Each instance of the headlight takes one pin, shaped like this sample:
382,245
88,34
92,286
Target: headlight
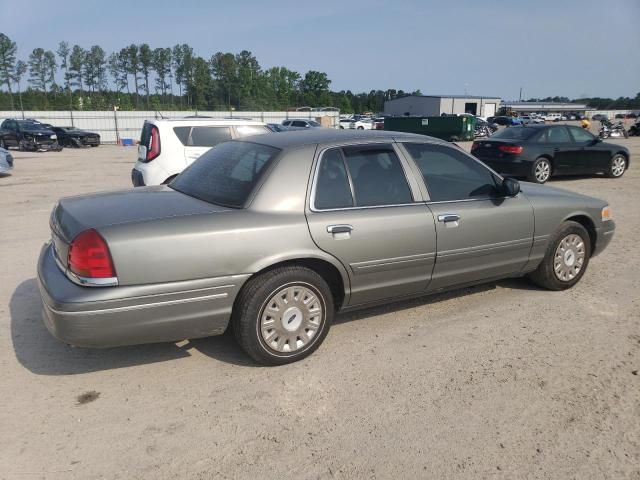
607,214
53,137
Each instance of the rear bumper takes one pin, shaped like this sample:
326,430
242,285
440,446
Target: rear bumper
131,315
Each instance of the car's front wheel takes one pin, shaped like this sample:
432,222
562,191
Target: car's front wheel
565,259
283,315
540,170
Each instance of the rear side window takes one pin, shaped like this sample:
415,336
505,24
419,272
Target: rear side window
377,175
298,123
515,133
362,177
227,174
450,174
182,133
209,136
246,130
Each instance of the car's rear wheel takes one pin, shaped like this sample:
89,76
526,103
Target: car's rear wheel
617,166
360,128
565,259
283,315
540,170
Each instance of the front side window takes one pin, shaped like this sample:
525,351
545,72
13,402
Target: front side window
227,174
209,136
363,176
580,135
450,174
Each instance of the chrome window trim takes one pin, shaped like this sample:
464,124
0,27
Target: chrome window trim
316,170
84,281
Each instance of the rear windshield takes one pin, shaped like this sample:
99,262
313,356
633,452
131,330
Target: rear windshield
227,174
515,133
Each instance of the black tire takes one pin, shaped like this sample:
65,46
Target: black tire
252,301
539,164
614,170
544,276
360,128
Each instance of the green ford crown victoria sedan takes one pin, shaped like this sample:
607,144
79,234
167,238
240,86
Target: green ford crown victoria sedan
272,235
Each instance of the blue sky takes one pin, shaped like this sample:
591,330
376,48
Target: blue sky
568,48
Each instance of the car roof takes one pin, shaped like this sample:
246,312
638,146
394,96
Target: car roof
299,138
203,121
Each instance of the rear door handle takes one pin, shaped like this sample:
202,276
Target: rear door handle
341,228
448,217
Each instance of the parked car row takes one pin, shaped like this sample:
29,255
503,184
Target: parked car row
32,135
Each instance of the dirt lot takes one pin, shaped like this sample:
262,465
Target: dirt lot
500,381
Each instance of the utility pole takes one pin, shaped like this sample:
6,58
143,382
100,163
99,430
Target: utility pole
520,97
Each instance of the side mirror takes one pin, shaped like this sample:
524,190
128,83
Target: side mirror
510,187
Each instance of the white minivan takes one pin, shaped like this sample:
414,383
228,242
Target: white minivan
168,146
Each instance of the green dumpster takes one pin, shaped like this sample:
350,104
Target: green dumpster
448,128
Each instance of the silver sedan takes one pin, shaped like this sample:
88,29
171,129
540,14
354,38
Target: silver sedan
273,235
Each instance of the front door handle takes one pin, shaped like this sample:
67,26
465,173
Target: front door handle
341,228
448,217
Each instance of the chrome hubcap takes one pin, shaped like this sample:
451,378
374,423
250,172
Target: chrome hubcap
569,257
291,318
543,169
617,167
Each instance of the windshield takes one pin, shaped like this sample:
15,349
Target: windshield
314,124
227,174
515,133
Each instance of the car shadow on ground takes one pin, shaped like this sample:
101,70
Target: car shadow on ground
400,305
38,351
42,354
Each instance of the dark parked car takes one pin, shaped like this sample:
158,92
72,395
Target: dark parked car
300,124
27,135
74,137
600,117
538,152
505,120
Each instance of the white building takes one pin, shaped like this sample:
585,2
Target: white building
436,105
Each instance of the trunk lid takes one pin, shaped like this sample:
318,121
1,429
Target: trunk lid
73,215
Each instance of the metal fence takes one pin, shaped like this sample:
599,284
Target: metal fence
116,125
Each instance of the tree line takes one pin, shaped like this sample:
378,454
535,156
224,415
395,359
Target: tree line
138,77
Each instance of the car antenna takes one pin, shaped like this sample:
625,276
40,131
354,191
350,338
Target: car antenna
158,113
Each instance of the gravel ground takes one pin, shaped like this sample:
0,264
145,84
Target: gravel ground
498,381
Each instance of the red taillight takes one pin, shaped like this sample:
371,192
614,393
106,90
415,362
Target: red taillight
511,148
474,146
153,149
89,256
